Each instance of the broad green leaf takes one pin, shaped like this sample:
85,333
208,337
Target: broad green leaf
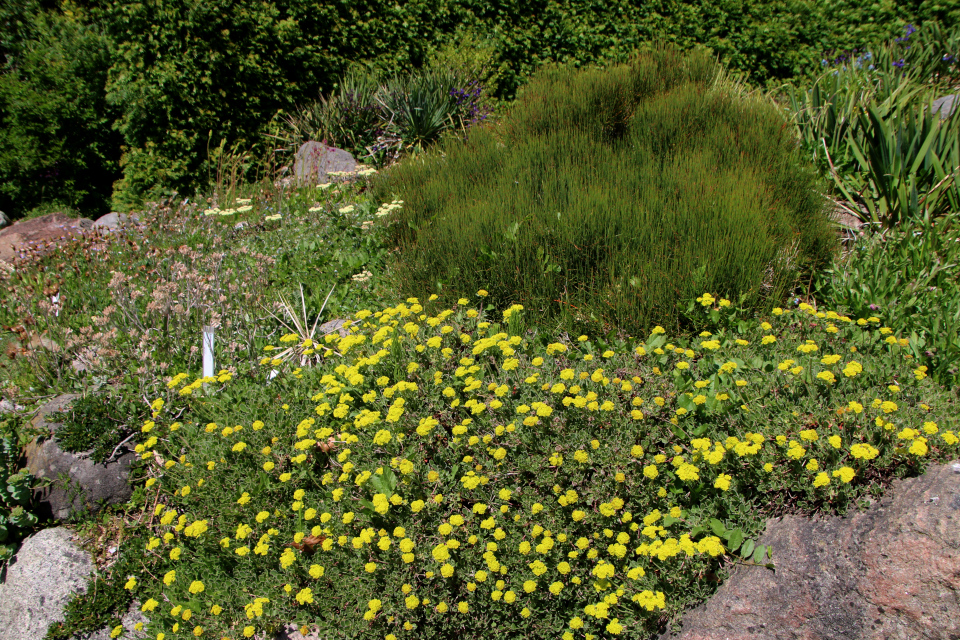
718,528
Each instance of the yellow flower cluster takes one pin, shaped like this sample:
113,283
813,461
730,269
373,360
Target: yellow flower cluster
487,473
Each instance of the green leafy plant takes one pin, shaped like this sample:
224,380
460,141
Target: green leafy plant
100,424
909,167
16,491
606,196
449,474
868,123
908,276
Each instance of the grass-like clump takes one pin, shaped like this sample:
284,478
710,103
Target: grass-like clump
607,196
445,472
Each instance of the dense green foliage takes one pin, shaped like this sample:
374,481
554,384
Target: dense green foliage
16,484
176,78
867,123
608,197
99,423
57,143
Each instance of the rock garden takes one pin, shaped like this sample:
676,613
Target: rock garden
652,353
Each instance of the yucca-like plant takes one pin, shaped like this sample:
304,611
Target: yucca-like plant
379,119
300,344
868,124
608,198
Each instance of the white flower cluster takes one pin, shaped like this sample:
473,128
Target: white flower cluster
387,208
363,276
245,206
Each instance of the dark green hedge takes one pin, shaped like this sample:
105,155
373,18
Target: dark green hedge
57,143
184,75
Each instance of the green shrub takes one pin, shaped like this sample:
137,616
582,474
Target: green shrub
440,473
909,277
606,197
99,423
56,139
16,485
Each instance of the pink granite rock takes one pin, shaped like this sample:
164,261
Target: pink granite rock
890,572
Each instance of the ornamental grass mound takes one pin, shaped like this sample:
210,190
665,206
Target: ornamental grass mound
439,474
607,196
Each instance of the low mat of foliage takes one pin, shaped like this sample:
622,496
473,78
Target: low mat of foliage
608,196
99,424
910,274
443,472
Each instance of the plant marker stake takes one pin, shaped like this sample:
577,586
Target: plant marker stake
207,352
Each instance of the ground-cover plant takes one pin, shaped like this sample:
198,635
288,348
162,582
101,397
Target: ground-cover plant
226,264
16,486
99,424
449,473
608,196
868,124
908,275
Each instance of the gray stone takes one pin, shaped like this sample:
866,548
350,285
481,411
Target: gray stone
47,570
339,325
76,483
9,407
315,161
890,572
945,106
113,221
4,219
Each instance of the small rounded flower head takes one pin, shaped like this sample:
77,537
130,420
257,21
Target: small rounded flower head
722,482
